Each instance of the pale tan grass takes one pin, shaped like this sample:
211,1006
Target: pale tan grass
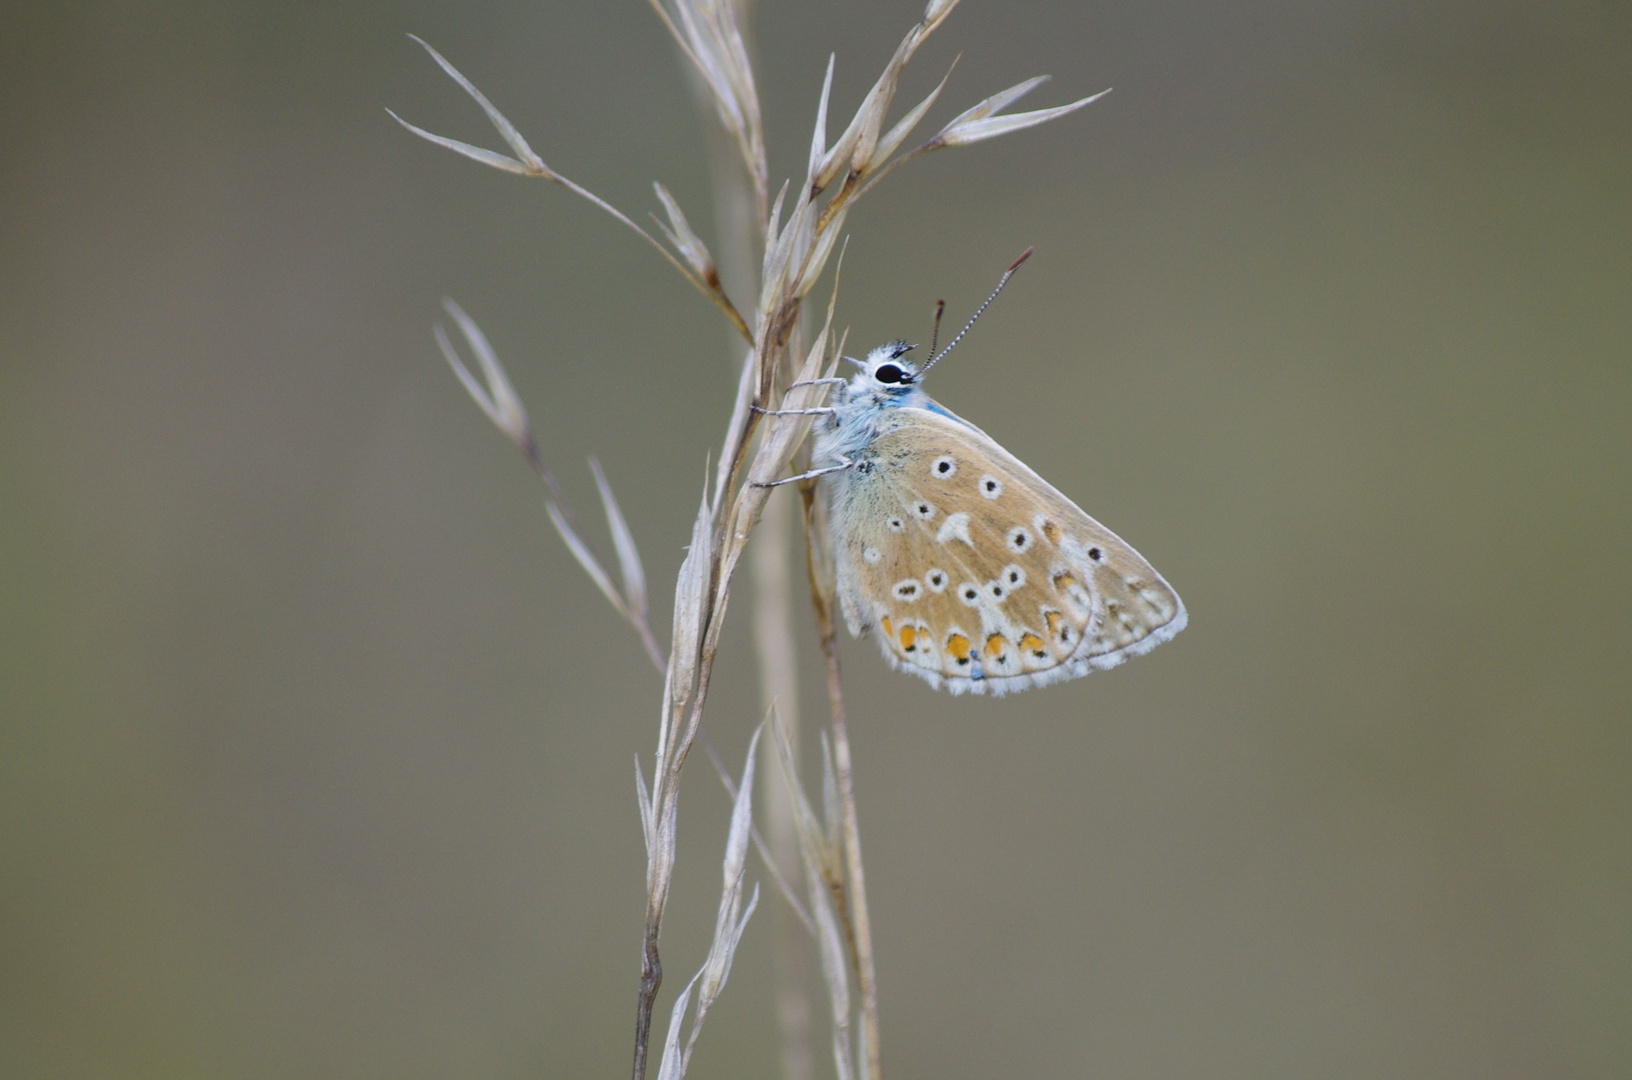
797,234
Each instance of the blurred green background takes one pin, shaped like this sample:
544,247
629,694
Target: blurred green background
316,744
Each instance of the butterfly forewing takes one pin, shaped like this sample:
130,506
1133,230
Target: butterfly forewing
975,573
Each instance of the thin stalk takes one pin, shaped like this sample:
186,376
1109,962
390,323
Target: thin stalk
740,213
651,977
851,899
856,882
779,684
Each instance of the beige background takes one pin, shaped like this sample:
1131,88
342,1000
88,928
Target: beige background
316,745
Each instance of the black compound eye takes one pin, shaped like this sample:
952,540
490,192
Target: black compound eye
889,373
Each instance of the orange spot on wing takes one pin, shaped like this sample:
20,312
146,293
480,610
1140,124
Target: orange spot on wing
957,646
1033,644
996,644
1053,619
889,631
1052,531
1063,581
909,635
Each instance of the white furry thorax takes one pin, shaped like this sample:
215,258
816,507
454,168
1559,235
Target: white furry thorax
862,406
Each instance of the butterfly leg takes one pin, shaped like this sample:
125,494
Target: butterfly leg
823,411
844,463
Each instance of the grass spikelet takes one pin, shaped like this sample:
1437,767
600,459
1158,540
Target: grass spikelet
797,233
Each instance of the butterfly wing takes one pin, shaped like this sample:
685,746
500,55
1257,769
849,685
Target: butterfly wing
975,573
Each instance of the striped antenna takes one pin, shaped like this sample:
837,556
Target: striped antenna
1002,281
935,332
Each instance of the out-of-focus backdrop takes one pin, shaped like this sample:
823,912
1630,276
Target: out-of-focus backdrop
316,744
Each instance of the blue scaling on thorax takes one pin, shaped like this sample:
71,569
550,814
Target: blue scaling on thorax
865,413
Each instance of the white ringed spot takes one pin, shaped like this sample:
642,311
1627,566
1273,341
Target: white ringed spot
943,467
923,509
871,554
969,593
907,589
936,580
1019,538
895,524
991,486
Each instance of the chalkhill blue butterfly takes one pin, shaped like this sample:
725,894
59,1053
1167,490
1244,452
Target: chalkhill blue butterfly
970,570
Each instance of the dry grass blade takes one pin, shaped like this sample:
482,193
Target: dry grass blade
585,557
731,918
672,1066
529,161
963,132
818,139
831,814
738,430
830,947
690,595
782,884
530,164
708,34
858,145
1003,98
634,578
977,124
897,135
474,153
818,852
815,260
643,799
730,922
498,399
824,875
679,233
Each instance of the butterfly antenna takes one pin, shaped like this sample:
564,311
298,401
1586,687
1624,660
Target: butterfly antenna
935,332
1002,281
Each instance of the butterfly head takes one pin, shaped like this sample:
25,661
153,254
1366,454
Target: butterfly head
885,376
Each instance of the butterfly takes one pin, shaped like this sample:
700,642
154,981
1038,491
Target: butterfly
970,570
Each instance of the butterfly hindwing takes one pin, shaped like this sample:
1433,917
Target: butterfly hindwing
976,574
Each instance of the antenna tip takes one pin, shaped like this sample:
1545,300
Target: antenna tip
1024,255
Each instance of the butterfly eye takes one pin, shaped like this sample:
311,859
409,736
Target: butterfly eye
889,373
